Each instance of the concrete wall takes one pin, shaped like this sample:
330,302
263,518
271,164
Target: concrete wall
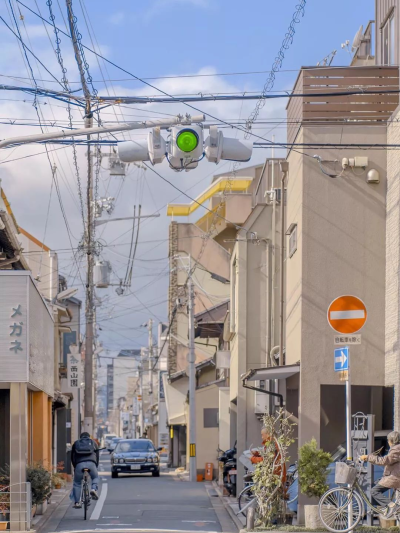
392,335
224,419
341,246
207,438
42,262
251,291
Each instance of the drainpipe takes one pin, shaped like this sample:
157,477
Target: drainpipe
284,169
268,300
274,351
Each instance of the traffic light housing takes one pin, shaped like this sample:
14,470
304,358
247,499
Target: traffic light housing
218,147
185,147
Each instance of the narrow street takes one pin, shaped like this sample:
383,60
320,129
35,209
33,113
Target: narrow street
143,503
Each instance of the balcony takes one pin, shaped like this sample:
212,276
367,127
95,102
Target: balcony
369,107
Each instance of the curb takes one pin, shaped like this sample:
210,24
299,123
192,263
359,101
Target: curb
41,523
229,509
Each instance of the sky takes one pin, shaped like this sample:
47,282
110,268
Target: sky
180,47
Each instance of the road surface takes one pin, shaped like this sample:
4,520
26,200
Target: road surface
143,503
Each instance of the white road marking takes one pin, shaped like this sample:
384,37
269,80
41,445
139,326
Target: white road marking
201,521
142,530
342,315
109,517
114,525
100,502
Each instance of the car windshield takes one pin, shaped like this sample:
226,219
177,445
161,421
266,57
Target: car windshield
135,446
117,439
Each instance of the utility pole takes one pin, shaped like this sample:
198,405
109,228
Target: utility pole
141,413
150,328
192,381
89,333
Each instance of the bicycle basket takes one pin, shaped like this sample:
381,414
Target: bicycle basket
345,474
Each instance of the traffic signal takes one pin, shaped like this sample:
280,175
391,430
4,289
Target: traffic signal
185,147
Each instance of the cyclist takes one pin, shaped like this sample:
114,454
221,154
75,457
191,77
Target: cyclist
85,455
391,473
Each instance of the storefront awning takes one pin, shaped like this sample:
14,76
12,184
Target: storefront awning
271,372
175,399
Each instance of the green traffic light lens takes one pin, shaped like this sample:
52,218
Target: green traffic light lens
187,140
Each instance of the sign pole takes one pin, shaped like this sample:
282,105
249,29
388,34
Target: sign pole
348,413
348,434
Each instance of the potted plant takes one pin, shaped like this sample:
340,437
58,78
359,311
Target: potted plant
40,480
57,480
4,498
313,472
4,507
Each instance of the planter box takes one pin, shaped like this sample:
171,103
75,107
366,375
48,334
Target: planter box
311,517
41,508
386,524
3,526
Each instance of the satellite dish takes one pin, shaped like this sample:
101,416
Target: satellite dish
357,39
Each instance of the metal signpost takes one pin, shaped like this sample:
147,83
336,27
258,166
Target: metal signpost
346,315
342,364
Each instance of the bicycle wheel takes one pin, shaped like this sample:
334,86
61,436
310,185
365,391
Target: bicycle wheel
244,497
337,506
85,500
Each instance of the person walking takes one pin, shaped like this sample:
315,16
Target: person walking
391,474
85,455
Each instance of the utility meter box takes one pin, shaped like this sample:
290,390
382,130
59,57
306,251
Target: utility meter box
101,274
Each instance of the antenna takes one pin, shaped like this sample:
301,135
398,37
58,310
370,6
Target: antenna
327,61
345,46
357,39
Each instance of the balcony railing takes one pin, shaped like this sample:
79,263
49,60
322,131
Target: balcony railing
373,103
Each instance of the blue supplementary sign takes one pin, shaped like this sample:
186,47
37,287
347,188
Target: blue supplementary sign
341,358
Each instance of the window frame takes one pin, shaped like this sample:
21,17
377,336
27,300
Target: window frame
388,40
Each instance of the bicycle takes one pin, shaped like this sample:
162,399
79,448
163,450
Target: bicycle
342,508
246,497
85,493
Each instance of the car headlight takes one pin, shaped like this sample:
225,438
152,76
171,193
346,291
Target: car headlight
149,460
121,460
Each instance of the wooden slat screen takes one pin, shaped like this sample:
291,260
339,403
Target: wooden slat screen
343,108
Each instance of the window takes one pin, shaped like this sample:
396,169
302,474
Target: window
127,446
292,232
388,41
210,415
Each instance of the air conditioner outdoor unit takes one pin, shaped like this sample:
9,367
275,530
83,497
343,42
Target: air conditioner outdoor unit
261,400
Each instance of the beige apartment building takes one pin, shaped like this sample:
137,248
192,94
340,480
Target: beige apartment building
204,246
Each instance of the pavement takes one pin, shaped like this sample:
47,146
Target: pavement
145,503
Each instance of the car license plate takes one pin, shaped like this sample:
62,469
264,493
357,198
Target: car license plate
135,467
233,472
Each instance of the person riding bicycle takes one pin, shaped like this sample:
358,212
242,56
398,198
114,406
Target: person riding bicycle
85,456
391,473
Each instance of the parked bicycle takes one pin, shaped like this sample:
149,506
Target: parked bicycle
246,497
342,508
